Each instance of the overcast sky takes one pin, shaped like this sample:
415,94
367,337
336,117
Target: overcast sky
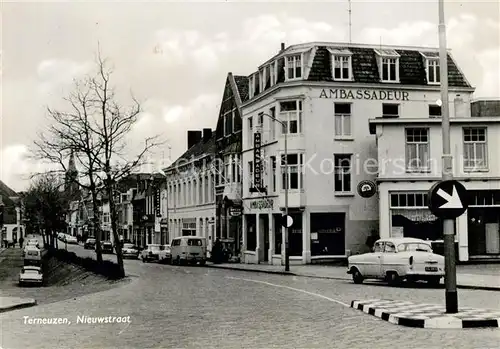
175,56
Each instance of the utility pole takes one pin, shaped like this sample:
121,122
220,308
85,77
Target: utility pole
350,23
447,171
285,164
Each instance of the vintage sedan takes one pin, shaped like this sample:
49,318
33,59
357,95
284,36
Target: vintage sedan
151,253
165,254
89,244
398,259
31,275
130,251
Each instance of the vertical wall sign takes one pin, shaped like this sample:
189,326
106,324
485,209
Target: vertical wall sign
257,161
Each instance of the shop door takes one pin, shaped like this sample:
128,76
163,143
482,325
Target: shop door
265,231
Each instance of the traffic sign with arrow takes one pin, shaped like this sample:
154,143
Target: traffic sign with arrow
448,199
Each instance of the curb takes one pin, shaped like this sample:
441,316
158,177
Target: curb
469,287
423,320
26,304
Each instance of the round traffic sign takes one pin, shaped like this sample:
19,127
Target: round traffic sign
448,199
366,189
286,221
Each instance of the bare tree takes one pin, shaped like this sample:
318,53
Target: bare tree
95,130
44,207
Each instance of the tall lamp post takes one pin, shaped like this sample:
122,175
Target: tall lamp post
285,129
447,173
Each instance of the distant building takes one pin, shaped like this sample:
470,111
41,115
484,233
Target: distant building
228,171
190,185
325,93
11,221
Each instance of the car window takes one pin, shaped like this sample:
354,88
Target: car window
194,242
389,247
414,247
379,247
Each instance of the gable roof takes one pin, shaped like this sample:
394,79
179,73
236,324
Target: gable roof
242,85
203,147
7,195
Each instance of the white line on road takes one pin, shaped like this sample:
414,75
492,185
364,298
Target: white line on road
293,289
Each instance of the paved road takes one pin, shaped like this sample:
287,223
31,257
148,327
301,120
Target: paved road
197,307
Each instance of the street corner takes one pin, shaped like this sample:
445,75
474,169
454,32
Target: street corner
427,315
13,303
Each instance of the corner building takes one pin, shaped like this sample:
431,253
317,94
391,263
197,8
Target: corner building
325,94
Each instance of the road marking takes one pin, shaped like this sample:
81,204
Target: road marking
124,328
293,289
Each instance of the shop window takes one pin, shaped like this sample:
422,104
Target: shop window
327,234
251,233
295,235
278,237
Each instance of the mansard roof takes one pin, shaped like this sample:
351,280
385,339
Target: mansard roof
318,64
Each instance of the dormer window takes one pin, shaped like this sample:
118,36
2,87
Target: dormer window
251,86
294,67
388,63
272,73
341,64
432,67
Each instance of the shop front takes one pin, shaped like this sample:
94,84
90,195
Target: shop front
262,232
327,234
483,223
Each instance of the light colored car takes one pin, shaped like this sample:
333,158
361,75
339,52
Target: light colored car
71,240
398,259
31,275
130,251
165,255
151,253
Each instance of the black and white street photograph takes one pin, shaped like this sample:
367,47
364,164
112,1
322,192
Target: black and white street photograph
250,174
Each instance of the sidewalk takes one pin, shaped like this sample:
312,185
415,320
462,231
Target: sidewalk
483,281
11,303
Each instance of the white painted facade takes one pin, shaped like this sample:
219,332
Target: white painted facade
478,230
191,200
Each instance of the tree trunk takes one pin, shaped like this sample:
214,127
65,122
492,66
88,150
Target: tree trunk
97,226
114,228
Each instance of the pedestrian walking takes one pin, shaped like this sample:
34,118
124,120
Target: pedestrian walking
21,241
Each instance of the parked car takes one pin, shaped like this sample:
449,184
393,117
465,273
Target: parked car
89,244
130,251
33,242
106,247
71,240
31,275
165,254
398,259
32,256
189,249
151,253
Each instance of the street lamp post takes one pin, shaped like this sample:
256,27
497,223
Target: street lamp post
285,129
447,172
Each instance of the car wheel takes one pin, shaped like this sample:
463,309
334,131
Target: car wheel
357,278
178,261
143,260
393,278
435,281
202,262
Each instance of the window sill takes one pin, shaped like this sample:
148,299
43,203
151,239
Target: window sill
418,170
390,81
343,138
294,79
473,170
433,83
344,194
343,80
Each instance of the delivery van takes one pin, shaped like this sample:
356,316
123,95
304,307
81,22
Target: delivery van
188,249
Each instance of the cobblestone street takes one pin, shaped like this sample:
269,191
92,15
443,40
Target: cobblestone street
196,307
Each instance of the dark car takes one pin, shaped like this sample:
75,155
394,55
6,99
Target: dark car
106,247
89,244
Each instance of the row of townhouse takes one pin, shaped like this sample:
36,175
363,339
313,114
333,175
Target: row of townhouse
350,113
12,225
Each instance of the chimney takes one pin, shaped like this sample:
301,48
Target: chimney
193,137
282,47
207,134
